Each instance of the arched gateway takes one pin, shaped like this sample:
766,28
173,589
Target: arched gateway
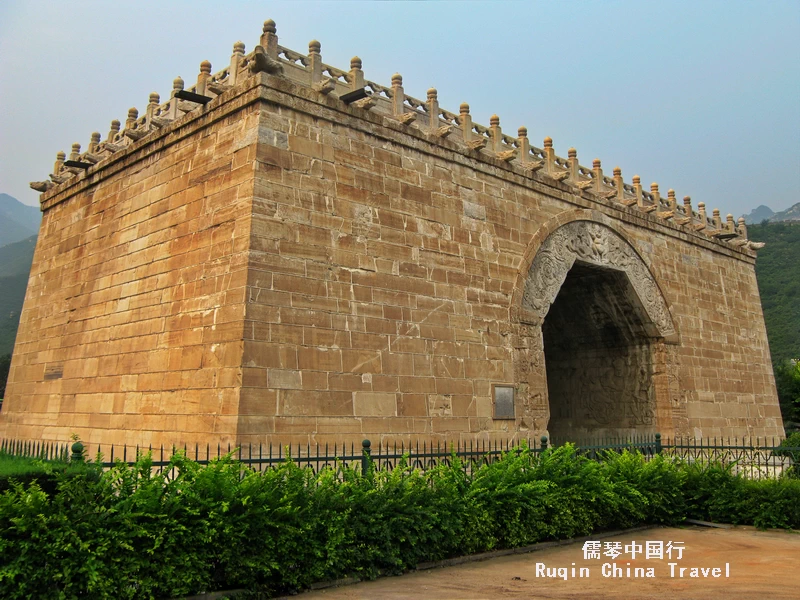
593,308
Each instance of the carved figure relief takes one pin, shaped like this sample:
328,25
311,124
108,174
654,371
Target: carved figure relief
596,244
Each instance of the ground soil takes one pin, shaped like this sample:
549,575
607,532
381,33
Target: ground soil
762,564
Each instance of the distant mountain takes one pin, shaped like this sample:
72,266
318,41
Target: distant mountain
17,220
12,294
759,214
790,214
16,258
765,213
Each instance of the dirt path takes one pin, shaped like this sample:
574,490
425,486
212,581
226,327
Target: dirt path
760,564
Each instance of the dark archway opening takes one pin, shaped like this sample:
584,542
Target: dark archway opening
598,354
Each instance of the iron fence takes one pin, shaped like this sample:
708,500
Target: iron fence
753,458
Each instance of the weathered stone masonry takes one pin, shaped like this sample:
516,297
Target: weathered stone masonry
280,264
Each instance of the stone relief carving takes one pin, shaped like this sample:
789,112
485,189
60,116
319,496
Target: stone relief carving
596,244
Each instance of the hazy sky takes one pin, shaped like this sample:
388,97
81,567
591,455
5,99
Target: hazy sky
701,96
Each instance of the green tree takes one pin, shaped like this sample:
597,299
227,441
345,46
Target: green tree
787,379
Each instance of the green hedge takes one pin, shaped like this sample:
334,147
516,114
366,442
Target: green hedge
130,534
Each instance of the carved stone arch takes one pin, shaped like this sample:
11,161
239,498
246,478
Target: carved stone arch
589,238
588,383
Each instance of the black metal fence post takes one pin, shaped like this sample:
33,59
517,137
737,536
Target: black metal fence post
366,451
544,442
658,443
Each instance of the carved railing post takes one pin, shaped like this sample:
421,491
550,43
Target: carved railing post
730,225
688,214
742,229
356,75
315,62
269,39
236,62
672,200
524,147
76,152
152,105
597,169
716,219
61,156
619,184
95,141
656,194
701,210
203,77
433,109
465,120
113,131
549,155
399,101
573,166
637,191
177,86
496,132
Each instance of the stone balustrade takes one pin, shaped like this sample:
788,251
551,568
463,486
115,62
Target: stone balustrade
474,139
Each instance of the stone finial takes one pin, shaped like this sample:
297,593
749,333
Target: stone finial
687,206
524,147
177,86
637,191
154,98
236,61
269,39
619,184
494,121
133,114
203,77
655,193
701,210
399,101
433,115
548,142
549,156
742,228
574,167
61,156
113,131
463,108
730,225
314,47
356,76
76,152
716,218
672,200
315,67
597,180
94,141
